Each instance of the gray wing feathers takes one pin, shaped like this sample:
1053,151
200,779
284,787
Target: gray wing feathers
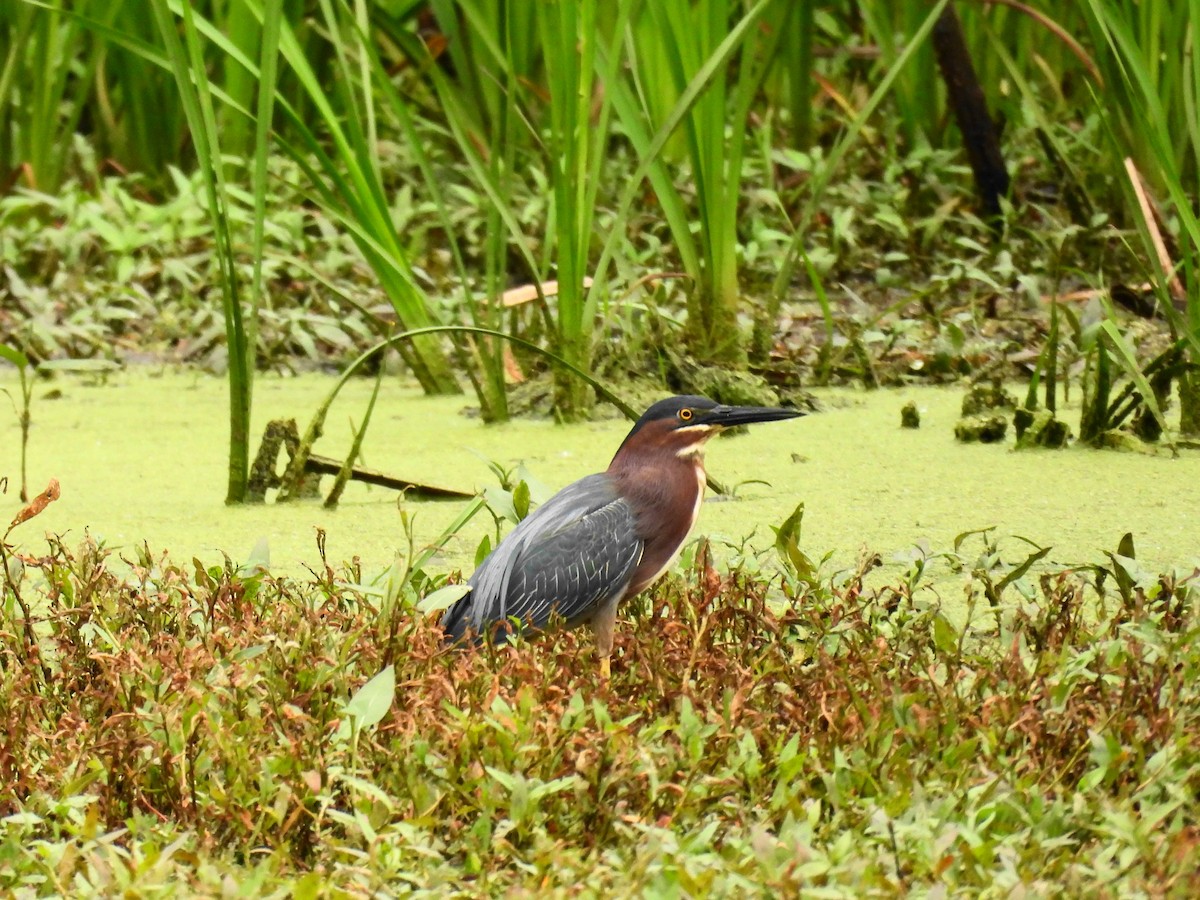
570,556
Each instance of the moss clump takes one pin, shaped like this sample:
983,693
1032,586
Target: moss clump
982,398
730,386
984,429
1040,428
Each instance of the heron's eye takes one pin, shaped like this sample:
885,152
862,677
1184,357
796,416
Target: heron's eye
685,415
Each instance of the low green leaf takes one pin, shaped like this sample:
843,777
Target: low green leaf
520,500
371,702
1020,570
557,786
945,637
259,560
482,551
14,356
506,779
1125,546
501,503
442,598
23,818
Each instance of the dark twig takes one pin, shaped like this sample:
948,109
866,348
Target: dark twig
980,135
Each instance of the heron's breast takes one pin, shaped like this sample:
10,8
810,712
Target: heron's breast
665,526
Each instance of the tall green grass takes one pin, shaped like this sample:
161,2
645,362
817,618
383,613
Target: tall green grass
48,65
94,69
1150,70
794,254
1151,100
536,90
674,46
478,80
338,149
581,64
797,26
917,97
186,59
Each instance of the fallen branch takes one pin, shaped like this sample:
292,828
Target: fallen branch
282,434
324,465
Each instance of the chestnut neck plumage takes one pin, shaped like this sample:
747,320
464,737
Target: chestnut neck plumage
663,479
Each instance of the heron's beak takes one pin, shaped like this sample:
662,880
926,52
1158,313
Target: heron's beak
728,416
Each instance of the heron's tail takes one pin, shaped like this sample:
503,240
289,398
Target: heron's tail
456,619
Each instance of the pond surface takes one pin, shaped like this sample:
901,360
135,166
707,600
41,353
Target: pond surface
141,458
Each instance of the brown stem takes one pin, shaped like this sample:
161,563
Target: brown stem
26,619
980,135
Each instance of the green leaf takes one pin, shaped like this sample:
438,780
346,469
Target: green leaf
520,499
1124,571
959,539
482,551
1020,570
787,535
14,356
501,503
506,779
1125,546
308,887
259,560
538,491
945,638
1092,779
1129,360
443,598
557,786
371,702
23,818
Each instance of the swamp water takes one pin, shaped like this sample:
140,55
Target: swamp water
141,458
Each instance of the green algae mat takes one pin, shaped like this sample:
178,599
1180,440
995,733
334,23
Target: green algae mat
141,459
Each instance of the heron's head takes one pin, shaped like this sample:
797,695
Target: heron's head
681,425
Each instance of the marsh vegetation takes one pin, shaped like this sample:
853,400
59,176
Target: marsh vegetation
456,242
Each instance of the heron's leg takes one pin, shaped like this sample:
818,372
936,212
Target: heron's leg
603,624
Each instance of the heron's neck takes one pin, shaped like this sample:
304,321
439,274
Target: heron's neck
666,489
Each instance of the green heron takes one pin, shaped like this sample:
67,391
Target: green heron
607,536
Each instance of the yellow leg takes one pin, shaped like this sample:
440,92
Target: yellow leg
603,625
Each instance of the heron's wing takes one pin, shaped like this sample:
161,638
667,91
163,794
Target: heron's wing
574,553
574,570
